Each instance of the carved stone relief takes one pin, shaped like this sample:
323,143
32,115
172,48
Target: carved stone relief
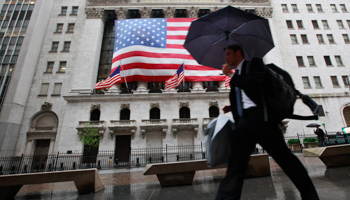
121,13
264,12
95,106
192,12
146,12
46,106
154,105
94,13
184,104
124,105
213,103
106,2
169,12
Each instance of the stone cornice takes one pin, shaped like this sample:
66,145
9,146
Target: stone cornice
106,2
250,1
264,12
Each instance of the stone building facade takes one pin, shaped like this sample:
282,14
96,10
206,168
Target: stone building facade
67,49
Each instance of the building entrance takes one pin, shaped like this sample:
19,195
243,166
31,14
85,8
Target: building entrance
122,150
40,155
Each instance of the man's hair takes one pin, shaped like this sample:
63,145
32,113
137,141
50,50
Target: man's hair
235,47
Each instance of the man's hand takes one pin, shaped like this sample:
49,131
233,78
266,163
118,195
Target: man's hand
226,69
226,109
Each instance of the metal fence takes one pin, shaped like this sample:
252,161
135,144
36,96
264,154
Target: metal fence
135,158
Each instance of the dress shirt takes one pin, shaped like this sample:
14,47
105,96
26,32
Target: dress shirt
247,102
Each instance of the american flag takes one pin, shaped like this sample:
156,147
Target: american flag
228,80
175,80
111,80
151,49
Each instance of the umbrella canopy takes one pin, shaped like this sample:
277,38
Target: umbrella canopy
210,34
312,125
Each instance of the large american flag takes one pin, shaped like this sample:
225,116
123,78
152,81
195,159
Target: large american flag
151,49
176,79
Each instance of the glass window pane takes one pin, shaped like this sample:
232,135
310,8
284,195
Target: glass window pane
44,89
57,89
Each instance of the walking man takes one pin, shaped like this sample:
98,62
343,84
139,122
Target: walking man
252,127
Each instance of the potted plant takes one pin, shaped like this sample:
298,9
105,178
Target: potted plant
90,138
310,142
294,144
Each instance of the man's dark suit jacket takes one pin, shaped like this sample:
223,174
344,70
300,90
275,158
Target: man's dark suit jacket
252,82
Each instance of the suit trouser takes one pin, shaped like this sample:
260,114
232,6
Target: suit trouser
251,130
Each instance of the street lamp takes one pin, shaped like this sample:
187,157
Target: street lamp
324,126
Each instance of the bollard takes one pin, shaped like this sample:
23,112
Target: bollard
25,169
99,164
162,158
74,166
177,157
1,170
191,157
36,168
150,160
12,171
137,162
203,155
116,163
61,167
50,167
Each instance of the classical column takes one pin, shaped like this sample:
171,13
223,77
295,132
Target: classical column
146,12
197,87
192,12
142,88
169,12
89,51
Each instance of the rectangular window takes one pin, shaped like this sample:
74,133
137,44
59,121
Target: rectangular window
289,24
330,39
340,24
294,39
70,28
319,7
306,82
339,61
54,47
304,39
59,28
300,24
335,81
348,22
74,10
325,24
311,61
334,8
300,61
284,8
346,38
57,89
295,8
64,10
66,47
318,82
321,111
44,89
328,61
320,38
345,80
49,67
315,24
309,8
343,8
63,65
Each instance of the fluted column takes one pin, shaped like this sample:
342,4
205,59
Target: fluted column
197,87
89,51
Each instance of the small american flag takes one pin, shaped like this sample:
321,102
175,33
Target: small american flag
228,80
175,80
111,80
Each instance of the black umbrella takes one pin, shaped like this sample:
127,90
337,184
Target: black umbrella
210,34
312,125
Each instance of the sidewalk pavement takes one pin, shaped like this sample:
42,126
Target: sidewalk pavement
125,184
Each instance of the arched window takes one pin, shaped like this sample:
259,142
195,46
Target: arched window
125,114
213,111
95,115
154,113
346,113
185,112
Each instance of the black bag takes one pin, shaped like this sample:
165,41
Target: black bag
279,96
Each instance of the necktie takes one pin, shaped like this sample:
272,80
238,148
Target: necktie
239,101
